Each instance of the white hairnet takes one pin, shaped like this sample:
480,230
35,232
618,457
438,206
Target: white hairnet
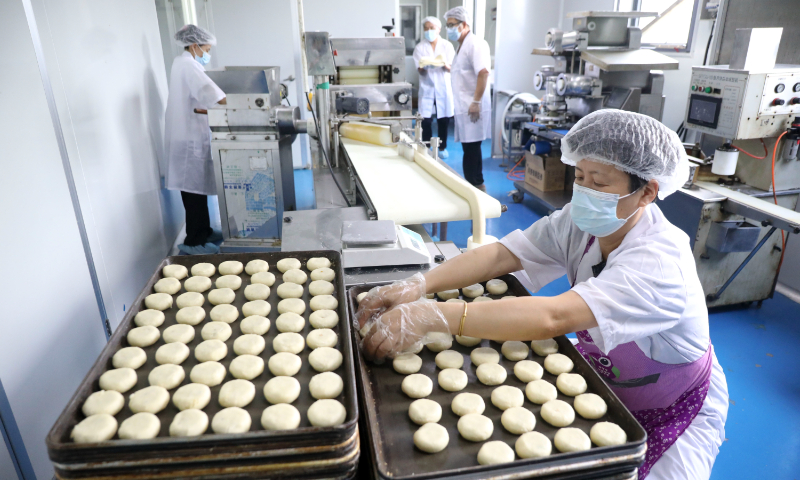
191,34
435,21
459,13
634,143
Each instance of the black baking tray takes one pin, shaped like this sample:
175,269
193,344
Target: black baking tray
390,431
212,448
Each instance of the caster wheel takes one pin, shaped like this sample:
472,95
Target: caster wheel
517,197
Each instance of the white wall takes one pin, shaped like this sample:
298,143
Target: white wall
351,19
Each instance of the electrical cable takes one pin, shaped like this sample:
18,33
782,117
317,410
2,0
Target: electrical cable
775,198
324,153
766,151
520,175
708,45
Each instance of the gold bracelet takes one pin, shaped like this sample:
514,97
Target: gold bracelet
463,317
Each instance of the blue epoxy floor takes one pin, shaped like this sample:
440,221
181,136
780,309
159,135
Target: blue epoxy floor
754,346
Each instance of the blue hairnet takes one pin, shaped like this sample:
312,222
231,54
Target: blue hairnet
435,21
459,13
191,34
634,143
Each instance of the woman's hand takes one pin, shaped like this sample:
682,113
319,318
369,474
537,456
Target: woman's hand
380,299
402,329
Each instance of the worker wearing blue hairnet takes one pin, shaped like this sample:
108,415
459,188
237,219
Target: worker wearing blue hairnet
636,302
188,137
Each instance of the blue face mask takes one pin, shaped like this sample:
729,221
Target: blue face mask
430,35
204,59
596,212
453,33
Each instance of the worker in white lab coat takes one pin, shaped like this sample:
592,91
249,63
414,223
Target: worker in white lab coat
473,105
188,137
636,303
435,92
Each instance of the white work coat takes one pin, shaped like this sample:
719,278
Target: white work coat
648,293
434,84
472,57
187,135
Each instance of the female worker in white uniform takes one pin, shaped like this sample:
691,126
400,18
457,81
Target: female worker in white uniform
636,302
473,106
435,92
188,137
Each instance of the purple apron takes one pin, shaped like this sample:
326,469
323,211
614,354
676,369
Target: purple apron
663,397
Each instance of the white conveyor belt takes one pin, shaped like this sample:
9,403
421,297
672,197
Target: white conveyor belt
402,191
768,208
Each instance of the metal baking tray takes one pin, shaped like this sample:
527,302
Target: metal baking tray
390,431
273,447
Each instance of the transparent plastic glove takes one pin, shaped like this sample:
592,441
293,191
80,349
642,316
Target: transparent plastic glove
380,299
402,329
474,112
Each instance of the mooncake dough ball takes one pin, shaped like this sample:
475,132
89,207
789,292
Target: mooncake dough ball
288,342
543,348
468,341
190,299
466,403
514,351
325,385
290,322
190,315
558,413
191,396
557,363
208,373
326,413
150,399
224,313
492,453
505,297
219,296
321,287
142,426
230,267
424,411
431,438
453,379
284,364
120,379
105,401
607,434
323,302
197,284
571,440
216,331
290,290
178,272
286,264
280,417
247,367
256,291
231,420
237,393
449,359
317,262
168,285
482,299
457,300
417,385
294,305
249,344
590,406
325,359
323,319
491,374
178,333
255,324
257,307
256,266
528,370
150,317
173,353
430,296
533,445
473,291
482,355
210,351
540,391
97,428
189,423
295,276
506,396
518,420
359,297
438,341
282,390
475,427
571,384
322,337
158,301
130,357
326,274
203,270
263,278
407,363
448,294
496,286
143,336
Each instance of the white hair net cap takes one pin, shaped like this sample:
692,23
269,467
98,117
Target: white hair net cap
634,143
435,21
459,13
191,34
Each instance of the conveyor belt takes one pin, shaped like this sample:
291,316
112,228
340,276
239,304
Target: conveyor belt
756,208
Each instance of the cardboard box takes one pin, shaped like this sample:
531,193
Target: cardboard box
544,173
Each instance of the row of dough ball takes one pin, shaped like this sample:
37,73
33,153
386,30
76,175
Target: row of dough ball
292,287
234,267
221,296
255,320
493,287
